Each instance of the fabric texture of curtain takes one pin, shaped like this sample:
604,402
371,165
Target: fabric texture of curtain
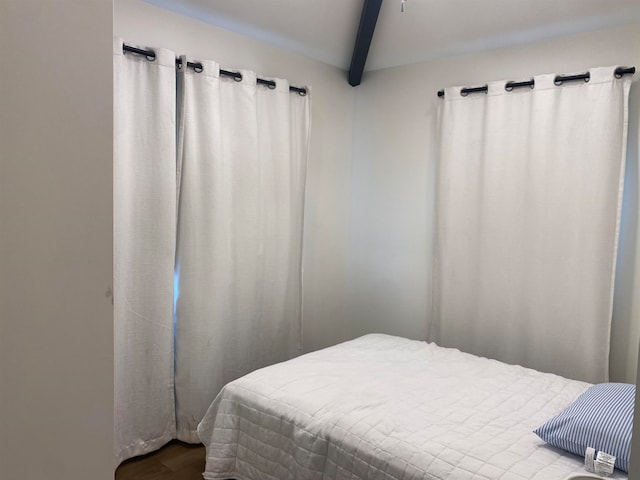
528,203
209,183
144,250
241,165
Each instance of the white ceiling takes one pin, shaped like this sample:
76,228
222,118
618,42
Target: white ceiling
326,29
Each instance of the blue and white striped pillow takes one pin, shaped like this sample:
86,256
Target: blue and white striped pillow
601,418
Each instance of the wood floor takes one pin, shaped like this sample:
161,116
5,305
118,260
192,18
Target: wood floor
175,461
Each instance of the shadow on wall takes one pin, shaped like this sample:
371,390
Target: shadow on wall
625,332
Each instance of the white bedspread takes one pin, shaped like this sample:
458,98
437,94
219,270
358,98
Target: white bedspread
382,407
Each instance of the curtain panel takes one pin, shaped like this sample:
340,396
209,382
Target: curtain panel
144,230
242,163
528,200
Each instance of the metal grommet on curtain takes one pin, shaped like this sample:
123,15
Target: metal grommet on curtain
622,71
197,67
300,91
509,86
237,76
467,90
271,84
559,80
150,55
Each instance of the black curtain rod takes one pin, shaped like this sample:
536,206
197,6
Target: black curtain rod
559,80
197,67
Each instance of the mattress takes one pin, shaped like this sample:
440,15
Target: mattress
388,408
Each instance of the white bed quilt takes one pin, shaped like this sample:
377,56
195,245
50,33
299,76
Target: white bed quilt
388,408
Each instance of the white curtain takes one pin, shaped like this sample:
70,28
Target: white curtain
233,155
241,161
144,249
528,205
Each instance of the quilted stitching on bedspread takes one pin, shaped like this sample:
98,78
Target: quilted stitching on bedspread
388,408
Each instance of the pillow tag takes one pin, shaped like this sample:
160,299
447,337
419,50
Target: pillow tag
588,459
604,464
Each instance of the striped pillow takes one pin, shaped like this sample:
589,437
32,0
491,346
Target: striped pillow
601,418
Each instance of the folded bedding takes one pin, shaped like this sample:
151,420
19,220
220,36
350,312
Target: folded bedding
389,408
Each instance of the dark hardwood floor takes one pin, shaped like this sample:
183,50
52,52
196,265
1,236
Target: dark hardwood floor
174,461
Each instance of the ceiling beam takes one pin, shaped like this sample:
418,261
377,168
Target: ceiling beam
370,11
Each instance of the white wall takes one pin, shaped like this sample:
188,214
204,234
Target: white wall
391,184
332,113
56,316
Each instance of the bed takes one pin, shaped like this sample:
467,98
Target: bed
384,407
